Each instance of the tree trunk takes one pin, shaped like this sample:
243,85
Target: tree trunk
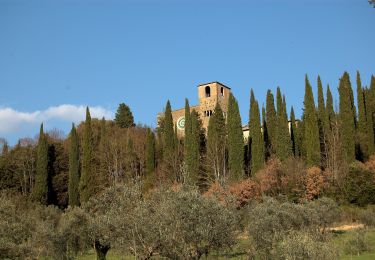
101,251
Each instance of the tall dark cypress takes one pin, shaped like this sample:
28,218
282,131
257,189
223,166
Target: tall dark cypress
330,112
168,132
293,133
257,144
235,140
283,146
188,160
73,185
322,123
265,135
87,180
217,145
40,192
150,152
363,138
311,130
370,110
197,135
271,119
347,118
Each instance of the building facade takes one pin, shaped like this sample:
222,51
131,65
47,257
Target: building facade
209,94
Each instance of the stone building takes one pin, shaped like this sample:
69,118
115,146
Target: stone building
209,94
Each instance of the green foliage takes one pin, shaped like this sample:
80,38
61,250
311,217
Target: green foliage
311,141
271,120
363,139
216,145
87,180
359,186
370,109
191,148
150,152
275,227
235,140
282,142
196,147
294,134
41,188
124,117
347,118
257,143
322,123
73,187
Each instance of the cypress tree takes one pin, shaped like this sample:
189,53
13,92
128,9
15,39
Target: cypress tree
150,152
363,139
271,120
257,144
330,112
265,135
168,133
293,133
216,144
188,157
322,123
283,146
73,186
197,135
311,129
370,110
124,116
40,191
235,140
87,184
347,118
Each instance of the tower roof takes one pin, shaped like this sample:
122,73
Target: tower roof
214,82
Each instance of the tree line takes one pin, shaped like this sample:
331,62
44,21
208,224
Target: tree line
100,153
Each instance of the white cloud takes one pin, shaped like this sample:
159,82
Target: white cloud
12,120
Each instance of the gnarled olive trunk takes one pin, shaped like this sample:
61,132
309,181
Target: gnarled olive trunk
101,250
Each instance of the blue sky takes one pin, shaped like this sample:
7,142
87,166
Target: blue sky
56,57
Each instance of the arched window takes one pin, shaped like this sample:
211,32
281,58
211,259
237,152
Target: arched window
222,91
208,91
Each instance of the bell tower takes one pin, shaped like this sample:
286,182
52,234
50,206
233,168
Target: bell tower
209,95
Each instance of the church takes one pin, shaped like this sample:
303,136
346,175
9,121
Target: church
209,94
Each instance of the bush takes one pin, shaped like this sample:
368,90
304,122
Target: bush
191,225
358,244
305,245
367,217
359,185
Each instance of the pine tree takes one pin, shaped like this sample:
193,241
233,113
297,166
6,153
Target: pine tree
257,143
216,144
311,129
235,140
87,183
40,192
347,118
124,117
73,186
271,119
322,123
282,142
363,138
150,152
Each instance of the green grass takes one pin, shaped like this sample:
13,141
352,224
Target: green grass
341,239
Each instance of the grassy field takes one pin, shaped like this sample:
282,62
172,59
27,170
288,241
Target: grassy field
341,241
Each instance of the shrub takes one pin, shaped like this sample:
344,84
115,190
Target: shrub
358,244
314,182
305,245
359,186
